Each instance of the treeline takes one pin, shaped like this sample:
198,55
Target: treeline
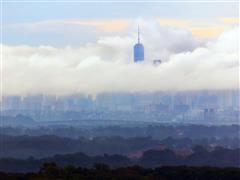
50,171
156,131
48,145
219,157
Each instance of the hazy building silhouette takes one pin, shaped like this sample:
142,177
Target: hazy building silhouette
138,50
209,114
157,62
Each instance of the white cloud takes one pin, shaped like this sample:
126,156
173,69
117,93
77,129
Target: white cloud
107,64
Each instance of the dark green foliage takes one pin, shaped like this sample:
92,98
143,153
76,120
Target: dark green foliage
156,131
50,171
153,158
220,157
49,145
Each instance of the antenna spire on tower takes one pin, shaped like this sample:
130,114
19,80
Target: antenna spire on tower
138,35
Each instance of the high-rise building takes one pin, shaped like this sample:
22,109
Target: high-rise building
138,50
157,62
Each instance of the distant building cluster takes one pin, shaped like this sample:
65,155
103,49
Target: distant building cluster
204,106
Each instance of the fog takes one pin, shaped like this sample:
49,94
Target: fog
107,65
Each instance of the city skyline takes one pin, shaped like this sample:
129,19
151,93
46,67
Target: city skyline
119,89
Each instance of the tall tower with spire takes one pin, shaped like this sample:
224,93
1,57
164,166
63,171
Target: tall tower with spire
138,50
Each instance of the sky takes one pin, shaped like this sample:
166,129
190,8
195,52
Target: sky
20,19
66,48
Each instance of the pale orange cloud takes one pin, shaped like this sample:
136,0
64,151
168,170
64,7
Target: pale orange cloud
105,25
230,20
207,32
198,29
173,22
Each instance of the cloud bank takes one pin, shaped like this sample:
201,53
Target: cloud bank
107,65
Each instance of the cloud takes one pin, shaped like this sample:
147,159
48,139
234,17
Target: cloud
202,28
174,22
63,32
207,32
230,20
107,65
77,32
106,25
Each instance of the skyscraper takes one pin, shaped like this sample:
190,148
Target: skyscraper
138,50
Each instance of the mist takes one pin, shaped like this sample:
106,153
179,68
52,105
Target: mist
107,65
